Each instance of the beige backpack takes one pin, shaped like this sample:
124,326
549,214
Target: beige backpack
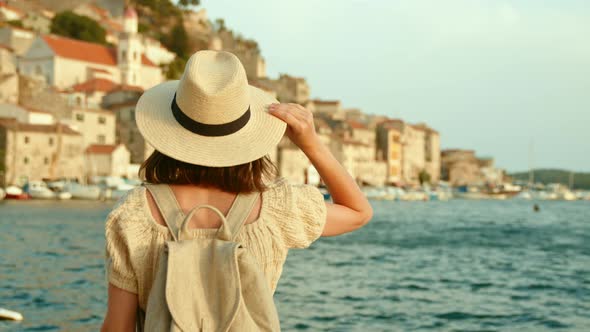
207,284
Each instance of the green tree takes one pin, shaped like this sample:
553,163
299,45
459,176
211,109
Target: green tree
79,27
423,177
177,40
15,23
186,3
175,68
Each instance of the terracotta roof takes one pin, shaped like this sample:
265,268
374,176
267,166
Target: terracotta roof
356,125
85,51
81,50
95,84
12,124
424,127
101,149
6,47
147,62
126,87
16,10
99,10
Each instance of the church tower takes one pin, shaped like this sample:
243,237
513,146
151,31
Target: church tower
130,50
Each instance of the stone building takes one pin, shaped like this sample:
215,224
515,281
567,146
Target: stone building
326,108
460,167
290,89
409,151
107,160
389,149
431,152
19,40
38,21
246,50
121,102
358,158
65,62
96,126
26,115
35,152
8,76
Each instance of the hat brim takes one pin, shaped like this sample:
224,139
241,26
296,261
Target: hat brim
160,129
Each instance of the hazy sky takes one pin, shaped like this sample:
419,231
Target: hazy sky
489,75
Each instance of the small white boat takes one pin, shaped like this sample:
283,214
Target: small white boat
39,190
80,191
6,314
64,195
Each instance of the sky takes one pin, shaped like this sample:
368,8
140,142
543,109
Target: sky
508,79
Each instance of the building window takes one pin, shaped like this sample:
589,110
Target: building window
123,54
101,139
80,117
79,101
46,161
102,120
134,55
50,141
27,139
26,160
38,70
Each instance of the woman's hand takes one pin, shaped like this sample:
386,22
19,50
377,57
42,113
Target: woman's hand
350,210
300,128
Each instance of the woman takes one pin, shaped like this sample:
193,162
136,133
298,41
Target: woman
212,133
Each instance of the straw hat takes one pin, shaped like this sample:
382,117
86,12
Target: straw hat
211,116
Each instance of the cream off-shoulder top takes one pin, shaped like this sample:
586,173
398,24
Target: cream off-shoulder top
291,216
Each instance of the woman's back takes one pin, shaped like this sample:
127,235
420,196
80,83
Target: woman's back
189,196
288,216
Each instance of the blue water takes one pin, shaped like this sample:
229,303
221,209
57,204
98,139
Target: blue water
422,266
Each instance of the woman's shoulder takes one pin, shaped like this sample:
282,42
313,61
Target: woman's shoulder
282,192
129,211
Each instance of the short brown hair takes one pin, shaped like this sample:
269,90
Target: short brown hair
246,178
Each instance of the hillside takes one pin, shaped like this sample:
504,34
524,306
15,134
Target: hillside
545,176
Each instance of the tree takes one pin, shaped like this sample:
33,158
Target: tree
186,3
424,177
177,40
79,27
175,69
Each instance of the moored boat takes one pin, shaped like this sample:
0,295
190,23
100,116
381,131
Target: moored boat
14,192
80,191
39,190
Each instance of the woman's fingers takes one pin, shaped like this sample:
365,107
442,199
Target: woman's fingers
283,113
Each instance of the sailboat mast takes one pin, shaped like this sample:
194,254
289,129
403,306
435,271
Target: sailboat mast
531,171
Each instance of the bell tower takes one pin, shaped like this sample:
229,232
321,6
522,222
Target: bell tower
130,50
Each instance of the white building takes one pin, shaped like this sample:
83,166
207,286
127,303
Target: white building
107,160
9,13
65,62
26,115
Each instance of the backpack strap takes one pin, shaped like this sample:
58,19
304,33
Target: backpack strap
168,206
237,216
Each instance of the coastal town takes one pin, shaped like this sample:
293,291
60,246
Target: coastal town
67,114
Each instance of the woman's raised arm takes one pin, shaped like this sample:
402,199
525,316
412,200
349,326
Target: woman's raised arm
351,209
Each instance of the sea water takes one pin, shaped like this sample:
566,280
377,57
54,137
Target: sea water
418,266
